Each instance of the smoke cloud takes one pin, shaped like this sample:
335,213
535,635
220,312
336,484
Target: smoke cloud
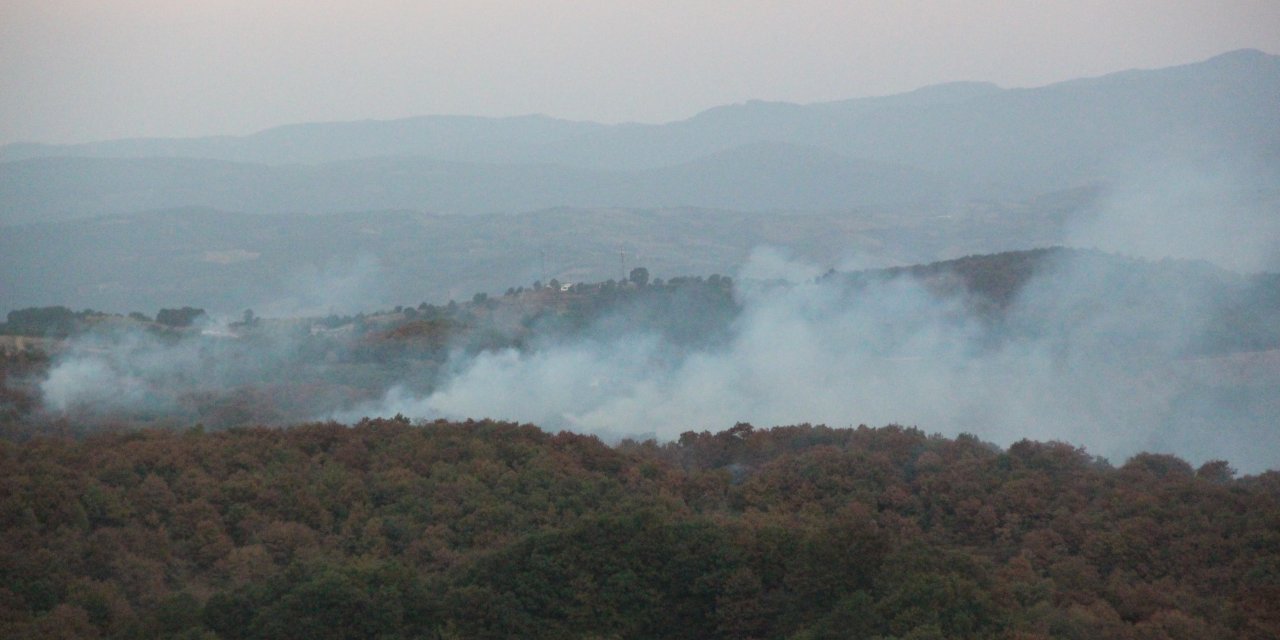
211,374
1112,354
336,287
1225,213
1083,355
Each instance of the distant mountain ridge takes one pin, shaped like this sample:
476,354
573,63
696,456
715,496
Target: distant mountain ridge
938,144
459,138
455,137
1249,73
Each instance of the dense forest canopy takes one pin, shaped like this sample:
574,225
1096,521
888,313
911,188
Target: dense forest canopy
495,530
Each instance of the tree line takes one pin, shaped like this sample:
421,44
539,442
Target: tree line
481,529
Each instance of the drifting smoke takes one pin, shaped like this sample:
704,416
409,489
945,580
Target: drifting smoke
1094,350
1224,214
121,370
1098,351
213,372
1081,356
77,382
336,287
209,375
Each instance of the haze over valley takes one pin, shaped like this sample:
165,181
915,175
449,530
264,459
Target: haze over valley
748,320
933,174
340,220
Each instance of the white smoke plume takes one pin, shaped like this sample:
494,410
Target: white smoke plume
1075,361
1225,214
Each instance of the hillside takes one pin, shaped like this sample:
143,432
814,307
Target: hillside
226,262
1116,354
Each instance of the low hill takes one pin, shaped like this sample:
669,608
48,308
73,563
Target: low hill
225,261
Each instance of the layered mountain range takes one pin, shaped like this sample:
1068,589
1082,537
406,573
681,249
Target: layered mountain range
928,148
1181,161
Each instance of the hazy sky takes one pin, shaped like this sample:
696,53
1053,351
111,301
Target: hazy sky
79,70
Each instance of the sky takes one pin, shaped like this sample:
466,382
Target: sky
84,70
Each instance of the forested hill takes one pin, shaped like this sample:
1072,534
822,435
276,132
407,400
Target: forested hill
1118,355
489,530
998,278
1216,331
